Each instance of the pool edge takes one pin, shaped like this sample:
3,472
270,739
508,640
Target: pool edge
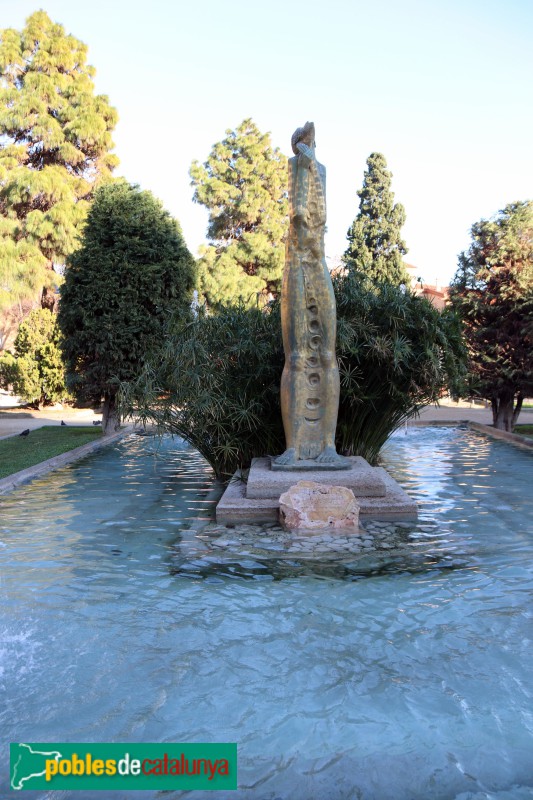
17,479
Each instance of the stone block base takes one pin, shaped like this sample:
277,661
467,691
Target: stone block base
361,478
236,508
309,465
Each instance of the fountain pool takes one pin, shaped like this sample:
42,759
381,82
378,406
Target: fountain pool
404,677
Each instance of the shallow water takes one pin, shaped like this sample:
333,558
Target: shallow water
409,680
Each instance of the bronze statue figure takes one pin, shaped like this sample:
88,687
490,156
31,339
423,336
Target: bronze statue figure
310,380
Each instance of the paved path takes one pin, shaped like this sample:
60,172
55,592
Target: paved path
15,420
457,412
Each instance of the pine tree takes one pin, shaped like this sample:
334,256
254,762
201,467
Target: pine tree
375,246
243,185
55,138
131,273
493,293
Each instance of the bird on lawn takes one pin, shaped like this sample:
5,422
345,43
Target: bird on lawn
25,433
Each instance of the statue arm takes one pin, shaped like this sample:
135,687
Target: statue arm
306,154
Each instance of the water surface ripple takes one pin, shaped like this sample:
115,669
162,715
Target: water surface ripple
406,685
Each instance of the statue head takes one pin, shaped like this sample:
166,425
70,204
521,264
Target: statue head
305,135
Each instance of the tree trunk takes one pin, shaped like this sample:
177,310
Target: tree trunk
503,416
49,299
110,418
518,407
494,409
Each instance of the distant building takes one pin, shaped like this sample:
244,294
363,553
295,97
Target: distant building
335,265
438,295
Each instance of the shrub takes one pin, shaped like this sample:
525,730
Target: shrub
396,354
217,381
216,384
8,370
36,371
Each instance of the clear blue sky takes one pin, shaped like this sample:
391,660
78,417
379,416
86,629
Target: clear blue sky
442,89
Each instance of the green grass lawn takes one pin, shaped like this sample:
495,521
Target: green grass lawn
523,430
18,452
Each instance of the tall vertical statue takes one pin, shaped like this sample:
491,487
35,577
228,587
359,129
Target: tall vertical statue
310,380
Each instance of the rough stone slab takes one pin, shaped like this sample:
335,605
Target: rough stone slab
317,506
234,508
362,479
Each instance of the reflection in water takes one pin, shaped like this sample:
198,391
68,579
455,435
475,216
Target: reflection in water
410,677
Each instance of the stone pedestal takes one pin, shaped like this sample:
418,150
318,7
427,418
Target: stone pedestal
256,501
361,478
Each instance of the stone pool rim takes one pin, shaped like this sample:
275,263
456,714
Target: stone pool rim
12,482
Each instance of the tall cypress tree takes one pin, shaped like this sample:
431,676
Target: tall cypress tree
131,274
55,138
243,186
375,246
